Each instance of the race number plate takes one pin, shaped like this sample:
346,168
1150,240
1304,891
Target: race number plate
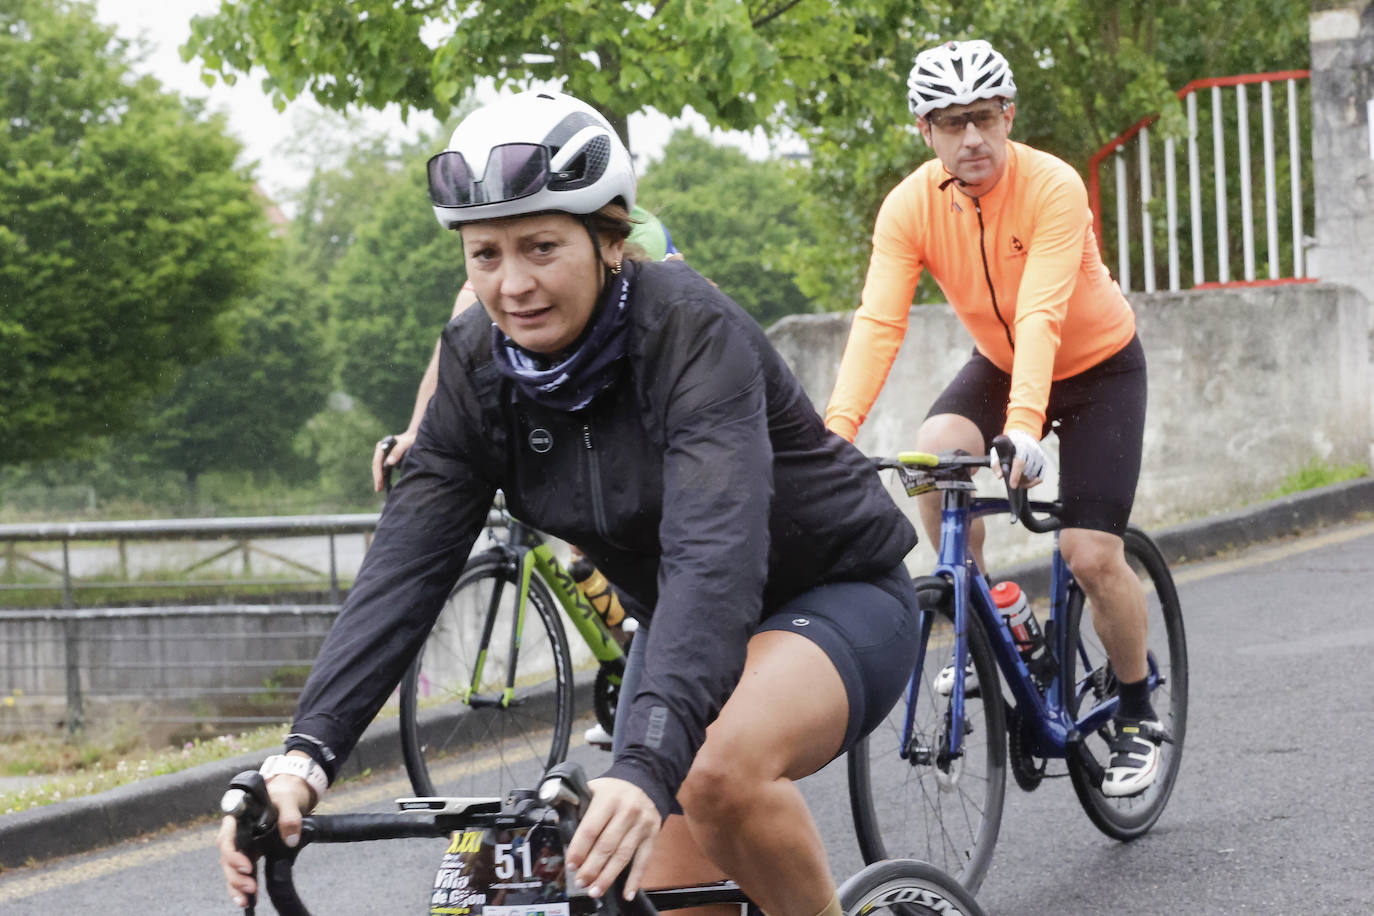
502,872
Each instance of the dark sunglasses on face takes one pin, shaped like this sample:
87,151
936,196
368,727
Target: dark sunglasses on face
513,171
981,118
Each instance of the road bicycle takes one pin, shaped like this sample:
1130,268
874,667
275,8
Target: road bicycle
505,857
496,676
929,782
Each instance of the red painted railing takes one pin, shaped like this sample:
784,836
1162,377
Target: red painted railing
1137,136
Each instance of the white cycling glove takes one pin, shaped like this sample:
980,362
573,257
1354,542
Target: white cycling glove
1029,451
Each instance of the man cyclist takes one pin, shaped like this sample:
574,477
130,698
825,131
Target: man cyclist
1006,232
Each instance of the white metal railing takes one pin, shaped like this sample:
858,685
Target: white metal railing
1211,259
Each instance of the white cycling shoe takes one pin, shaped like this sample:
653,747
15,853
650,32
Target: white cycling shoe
597,736
943,684
1135,757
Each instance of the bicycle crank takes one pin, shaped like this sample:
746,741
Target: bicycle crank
1027,769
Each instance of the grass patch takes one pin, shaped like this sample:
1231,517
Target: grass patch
1317,473
94,763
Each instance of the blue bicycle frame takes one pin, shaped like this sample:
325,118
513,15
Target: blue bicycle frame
1052,727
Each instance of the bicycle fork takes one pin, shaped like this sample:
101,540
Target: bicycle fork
522,561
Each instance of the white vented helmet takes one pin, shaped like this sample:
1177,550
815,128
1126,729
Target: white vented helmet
957,73
530,153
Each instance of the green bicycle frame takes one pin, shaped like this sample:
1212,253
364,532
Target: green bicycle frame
532,554
584,617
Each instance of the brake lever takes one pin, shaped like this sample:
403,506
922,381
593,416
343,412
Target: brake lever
246,801
387,443
565,790
1016,496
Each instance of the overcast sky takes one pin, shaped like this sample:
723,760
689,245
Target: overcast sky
165,24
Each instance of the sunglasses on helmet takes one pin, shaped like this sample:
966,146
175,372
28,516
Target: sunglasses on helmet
513,171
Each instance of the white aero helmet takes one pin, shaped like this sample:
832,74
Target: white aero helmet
530,153
957,73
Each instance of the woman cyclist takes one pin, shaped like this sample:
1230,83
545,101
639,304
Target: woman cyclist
636,411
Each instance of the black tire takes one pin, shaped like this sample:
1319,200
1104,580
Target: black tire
1128,818
905,887
606,694
508,742
935,810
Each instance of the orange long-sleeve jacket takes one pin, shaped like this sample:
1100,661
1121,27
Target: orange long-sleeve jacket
1019,265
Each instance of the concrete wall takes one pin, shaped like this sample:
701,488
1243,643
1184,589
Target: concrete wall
186,662
1342,42
1246,386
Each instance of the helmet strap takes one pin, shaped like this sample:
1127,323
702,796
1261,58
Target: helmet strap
606,271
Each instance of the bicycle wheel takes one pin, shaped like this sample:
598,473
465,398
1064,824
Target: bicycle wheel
503,744
905,887
1088,668
925,805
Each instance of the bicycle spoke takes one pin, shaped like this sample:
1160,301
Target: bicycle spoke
928,805
463,715
1127,818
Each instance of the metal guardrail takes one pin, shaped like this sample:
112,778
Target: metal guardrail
240,530
175,658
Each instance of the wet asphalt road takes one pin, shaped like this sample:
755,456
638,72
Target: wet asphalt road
1270,814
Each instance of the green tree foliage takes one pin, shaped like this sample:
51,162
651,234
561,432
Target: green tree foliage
833,71
351,167
1084,73
125,231
732,61
390,295
733,218
240,410
337,441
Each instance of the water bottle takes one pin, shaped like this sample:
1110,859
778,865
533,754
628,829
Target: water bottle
592,583
1025,631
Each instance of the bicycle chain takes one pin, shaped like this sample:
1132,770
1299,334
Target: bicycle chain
1024,768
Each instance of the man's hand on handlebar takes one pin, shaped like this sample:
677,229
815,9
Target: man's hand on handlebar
292,798
617,831
1028,464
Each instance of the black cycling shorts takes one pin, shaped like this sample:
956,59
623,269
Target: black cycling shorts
868,629
870,632
1099,417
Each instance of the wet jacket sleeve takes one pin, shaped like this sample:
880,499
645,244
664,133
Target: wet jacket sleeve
880,323
714,534
1042,301
432,517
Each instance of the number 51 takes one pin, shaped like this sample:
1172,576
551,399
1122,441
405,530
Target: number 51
505,861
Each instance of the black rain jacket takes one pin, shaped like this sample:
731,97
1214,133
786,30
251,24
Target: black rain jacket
702,482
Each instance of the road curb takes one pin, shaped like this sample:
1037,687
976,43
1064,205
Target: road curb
1255,524
174,799
91,822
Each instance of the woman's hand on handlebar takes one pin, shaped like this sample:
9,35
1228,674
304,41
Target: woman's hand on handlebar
291,796
617,831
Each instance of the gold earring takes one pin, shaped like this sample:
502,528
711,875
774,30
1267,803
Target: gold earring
615,269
